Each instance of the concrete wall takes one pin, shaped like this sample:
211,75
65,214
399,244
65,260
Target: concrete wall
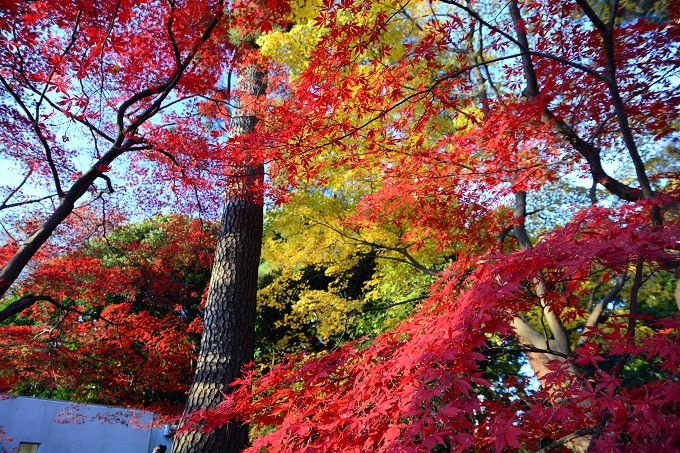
63,427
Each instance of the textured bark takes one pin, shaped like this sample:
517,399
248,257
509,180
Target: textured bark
677,287
229,319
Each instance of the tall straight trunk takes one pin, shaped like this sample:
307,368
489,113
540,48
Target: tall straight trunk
229,319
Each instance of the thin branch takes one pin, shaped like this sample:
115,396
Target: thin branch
24,203
608,46
613,12
592,15
175,48
633,304
36,127
410,98
401,250
20,305
54,69
76,118
163,90
565,439
395,304
16,189
630,334
13,268
28,301
525,48
587,150
597,430
499,351
597,311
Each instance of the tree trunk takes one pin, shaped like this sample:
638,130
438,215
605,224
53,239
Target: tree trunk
229,319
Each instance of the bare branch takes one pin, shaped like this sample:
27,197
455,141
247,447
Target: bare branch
24,203
16,189
395,304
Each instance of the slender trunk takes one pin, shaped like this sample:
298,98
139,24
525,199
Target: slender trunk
228,333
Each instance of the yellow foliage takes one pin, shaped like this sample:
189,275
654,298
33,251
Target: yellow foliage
291,48
329,312
317,229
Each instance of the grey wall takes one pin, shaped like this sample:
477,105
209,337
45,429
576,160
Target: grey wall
63,427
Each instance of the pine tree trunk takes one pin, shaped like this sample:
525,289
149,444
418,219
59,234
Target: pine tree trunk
229,318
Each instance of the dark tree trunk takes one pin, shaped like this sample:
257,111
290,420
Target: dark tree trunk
229,319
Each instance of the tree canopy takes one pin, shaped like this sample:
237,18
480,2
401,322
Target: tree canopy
471,235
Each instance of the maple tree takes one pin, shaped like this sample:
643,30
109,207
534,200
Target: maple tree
126,315
98,99
546,90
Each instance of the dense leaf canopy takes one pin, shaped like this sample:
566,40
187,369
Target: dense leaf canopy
471,239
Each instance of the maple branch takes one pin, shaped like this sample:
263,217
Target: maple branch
525,49
528,333
54,69
566,439
630,336
401,250
612,13
500,351
402,9
28,301
26,202
587,150
592,15
607,34
36,128
633,303
164,89
597,429
410,97
123,141
560,334
81,120
480,56
175,48
482,95
20,305
394,304
597,311
16,189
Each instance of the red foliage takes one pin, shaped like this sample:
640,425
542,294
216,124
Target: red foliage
112,72
128,326
418,385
